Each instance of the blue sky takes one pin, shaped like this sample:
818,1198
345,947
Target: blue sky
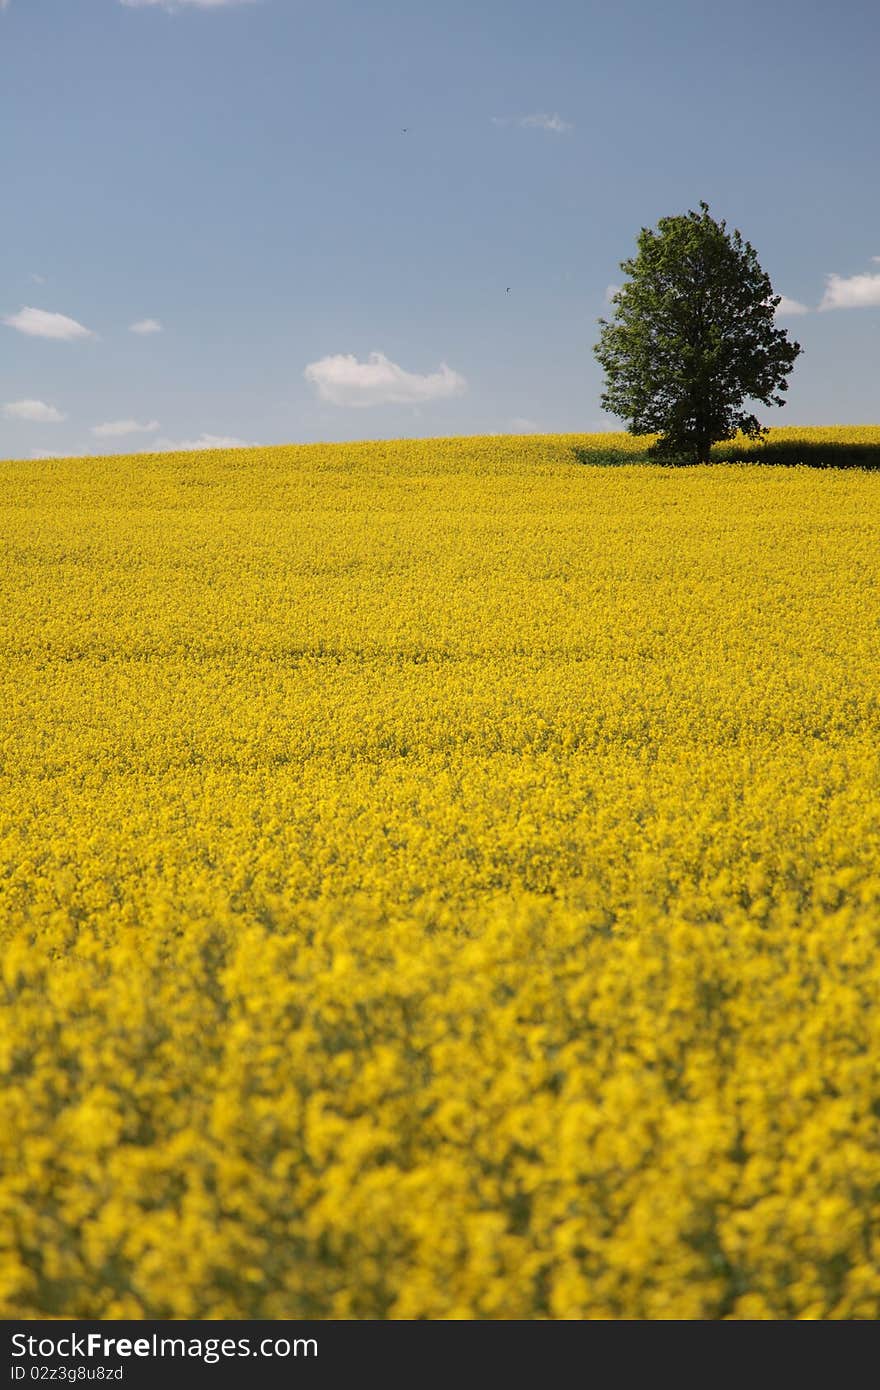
318,208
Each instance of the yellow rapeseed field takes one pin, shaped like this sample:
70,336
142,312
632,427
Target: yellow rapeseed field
440,880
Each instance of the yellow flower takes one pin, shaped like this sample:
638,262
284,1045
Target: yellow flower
440,880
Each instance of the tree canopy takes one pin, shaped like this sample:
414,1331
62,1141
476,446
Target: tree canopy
693,338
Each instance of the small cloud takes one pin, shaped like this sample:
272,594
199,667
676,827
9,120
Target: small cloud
540,120
853,291
115,429
38,323
611,291
343,380
145,326
38,412
37,279
523,426
204,441
788,308
52,454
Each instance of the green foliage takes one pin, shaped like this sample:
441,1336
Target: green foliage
693,338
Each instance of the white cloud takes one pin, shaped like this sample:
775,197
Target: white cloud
521,425
876,259
38,323
176,4
540,120
115,429
38,412
343,380
204,441
853,291
145,326
38,279
161,446
788,308
610,292
3,4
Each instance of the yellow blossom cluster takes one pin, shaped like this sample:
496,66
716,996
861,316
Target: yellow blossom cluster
439,880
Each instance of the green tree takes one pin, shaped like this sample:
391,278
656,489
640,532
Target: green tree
693,338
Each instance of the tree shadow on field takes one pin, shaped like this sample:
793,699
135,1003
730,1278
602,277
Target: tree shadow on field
610,458
793,453
781,453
